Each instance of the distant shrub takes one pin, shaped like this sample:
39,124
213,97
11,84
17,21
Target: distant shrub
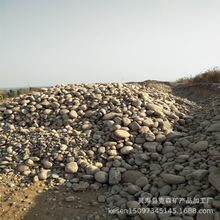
209,76
18,92
12,93
185,80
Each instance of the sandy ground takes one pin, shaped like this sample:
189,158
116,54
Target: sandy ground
38,202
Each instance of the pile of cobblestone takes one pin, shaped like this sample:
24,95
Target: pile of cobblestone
148,146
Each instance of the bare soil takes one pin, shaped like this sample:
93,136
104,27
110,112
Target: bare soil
38,202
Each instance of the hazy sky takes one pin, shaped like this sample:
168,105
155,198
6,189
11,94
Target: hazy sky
50,42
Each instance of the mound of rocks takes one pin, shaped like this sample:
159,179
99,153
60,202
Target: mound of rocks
146,144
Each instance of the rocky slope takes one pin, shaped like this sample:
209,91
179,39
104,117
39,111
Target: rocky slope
157,153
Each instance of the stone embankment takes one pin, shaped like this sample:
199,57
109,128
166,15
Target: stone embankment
158,153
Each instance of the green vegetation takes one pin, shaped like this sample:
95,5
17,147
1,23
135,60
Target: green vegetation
209,76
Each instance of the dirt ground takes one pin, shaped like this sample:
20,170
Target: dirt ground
38,202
